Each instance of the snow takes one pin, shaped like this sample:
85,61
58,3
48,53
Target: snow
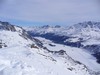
19,59
72,40
13,38
76,53
25,61
91,42
88,31
18,29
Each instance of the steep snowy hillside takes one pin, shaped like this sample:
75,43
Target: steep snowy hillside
20,54
75,53
26,61
84,35
11,35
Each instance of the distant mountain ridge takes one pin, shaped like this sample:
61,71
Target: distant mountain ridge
90,24
84,35
78,32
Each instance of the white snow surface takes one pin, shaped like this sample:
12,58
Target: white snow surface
13,38
76,53
19,59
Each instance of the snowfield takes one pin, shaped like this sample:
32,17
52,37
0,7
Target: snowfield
25,61
20,54
13,38
76,53
22,60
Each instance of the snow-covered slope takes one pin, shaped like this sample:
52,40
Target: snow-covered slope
75,53
11,35
26,61
20,54
87,31
84,35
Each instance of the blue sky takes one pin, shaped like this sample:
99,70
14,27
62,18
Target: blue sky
52,12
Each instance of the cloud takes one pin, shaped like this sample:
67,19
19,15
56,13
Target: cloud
50,10
1,2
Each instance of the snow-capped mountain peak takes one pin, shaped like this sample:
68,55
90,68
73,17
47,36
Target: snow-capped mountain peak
88,24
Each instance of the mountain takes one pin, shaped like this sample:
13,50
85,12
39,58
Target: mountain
84,35
78,32
23,54
11,35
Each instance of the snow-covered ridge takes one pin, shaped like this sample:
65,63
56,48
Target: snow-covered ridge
11,35
66,30
87,32
17,57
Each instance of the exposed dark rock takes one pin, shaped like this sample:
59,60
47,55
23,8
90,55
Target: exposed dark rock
52,45
92,48
57,26
45,26
0,46
60,52
33,46
78,62
39,43
97,55
7,26
70,69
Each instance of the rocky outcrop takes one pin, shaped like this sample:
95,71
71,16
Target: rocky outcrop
2,44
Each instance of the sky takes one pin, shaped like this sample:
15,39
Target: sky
49,12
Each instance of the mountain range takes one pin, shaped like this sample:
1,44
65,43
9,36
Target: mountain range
84,35
50,50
